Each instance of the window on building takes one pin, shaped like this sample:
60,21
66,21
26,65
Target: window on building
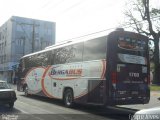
18,27
1,59
0,35
4,58
19,42
2,46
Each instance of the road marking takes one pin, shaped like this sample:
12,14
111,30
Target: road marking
60,108
24,111
47,112
38,108
28,114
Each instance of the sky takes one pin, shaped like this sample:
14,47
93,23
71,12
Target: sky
73,18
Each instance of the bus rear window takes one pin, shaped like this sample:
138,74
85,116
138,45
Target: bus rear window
131,44
134,59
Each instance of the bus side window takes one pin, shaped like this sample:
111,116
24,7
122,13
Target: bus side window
42,59
63,55
77,52
51,56
95,49
23,64
35,62
28,62
20,67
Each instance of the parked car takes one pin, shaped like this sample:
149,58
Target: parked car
7,95
147,114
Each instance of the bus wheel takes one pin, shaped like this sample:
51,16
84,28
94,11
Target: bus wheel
68,98
26,91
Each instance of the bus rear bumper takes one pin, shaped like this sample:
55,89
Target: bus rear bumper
127,101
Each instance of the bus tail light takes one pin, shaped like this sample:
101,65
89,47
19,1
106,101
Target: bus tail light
114,78
148,80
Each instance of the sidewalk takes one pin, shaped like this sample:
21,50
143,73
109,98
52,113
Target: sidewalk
155,94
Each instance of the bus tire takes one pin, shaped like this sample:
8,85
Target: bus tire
68,98
26,91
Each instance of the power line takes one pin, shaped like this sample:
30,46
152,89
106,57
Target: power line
89,34
56,4
126,26
65,9
73,6
46,4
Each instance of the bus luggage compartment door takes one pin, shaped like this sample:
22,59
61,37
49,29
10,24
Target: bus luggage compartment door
96,91
131,82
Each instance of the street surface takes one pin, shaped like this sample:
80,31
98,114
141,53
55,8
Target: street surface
154,102
40,108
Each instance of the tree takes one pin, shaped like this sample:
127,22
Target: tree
145,19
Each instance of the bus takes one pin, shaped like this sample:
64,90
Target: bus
112,69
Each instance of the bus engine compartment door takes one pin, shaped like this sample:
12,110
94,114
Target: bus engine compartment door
131,80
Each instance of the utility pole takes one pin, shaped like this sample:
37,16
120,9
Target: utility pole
33,37
23,45
33,31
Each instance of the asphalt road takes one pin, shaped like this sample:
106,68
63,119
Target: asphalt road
40,108
154,102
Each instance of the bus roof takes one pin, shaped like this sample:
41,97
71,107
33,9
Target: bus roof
65,43
77,40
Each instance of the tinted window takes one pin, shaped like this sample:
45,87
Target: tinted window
51,56
22,64
95,49
77,52
42,59
63,55
31,61
27,62
132,46
37,60
67,54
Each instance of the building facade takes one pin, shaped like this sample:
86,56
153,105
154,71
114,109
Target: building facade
20,36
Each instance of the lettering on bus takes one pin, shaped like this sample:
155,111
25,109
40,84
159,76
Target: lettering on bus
131,44
132,74
69,72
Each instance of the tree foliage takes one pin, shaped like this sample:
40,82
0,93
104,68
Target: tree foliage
138,20
143,17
